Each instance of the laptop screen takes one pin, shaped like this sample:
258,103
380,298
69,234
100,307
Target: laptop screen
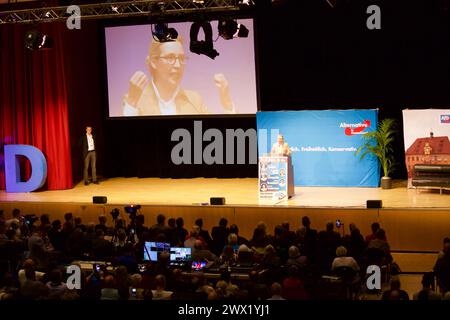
152,250
179,255
198,265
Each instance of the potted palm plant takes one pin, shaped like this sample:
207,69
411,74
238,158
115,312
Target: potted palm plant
379,143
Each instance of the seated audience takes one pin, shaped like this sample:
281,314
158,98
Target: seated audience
295,259
109,291
380,244
203,233
442,269
56,286
241,240
427,292
160,293
375,227
102,224
395,293
219,236
342,260
199,253
180,232
275,290
293,287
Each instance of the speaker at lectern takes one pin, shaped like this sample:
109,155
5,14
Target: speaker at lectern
276,178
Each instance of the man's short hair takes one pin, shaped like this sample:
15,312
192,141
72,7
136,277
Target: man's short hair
234,229
199,222
427,279
15,213
380,234
223,222
306,222
375,226
160,218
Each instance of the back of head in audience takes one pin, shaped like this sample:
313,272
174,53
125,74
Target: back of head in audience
341,251
161,219
275,289
223,222
180,222
306,222
375,226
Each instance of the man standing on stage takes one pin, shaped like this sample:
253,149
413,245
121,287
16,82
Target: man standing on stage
89,156
280,148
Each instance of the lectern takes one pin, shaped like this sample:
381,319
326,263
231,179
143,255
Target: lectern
276,178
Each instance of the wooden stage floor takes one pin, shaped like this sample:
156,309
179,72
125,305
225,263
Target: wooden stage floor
238,192
414,220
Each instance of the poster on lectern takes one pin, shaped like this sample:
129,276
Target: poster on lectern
427,134
273,186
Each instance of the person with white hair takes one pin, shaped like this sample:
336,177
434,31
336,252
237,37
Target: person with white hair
342,260
296,259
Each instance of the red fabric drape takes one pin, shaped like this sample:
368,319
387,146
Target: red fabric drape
33,100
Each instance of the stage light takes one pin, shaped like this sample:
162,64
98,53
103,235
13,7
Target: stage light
332,3
229,29
246,3
205,47
163,33
34,40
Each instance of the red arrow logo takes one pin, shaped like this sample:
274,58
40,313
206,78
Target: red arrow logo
359,130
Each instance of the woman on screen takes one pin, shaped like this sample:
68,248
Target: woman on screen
162,95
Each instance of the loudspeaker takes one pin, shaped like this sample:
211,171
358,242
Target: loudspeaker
374,204
99,199
217,201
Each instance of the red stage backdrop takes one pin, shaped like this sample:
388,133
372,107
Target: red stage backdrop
33,101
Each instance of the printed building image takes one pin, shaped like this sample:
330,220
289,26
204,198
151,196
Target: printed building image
429,150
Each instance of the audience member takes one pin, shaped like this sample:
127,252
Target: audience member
395,293
203,233
342,260
219,236
375,227
199,253
442,269
275,290
427,292
109,291
293,287
160,293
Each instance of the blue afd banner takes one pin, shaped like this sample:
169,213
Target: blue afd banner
323,145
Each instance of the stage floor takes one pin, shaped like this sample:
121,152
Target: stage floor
238,192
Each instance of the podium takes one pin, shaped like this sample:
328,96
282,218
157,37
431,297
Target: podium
276,178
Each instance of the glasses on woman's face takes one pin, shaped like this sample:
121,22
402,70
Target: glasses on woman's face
171,59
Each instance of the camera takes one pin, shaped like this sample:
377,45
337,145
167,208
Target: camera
30,219
97,267
115,213
338,223
132,209
133,292
142,267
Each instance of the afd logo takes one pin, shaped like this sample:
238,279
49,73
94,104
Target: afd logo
445,118
352,129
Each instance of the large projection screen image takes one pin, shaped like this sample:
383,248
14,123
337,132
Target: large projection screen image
151,78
